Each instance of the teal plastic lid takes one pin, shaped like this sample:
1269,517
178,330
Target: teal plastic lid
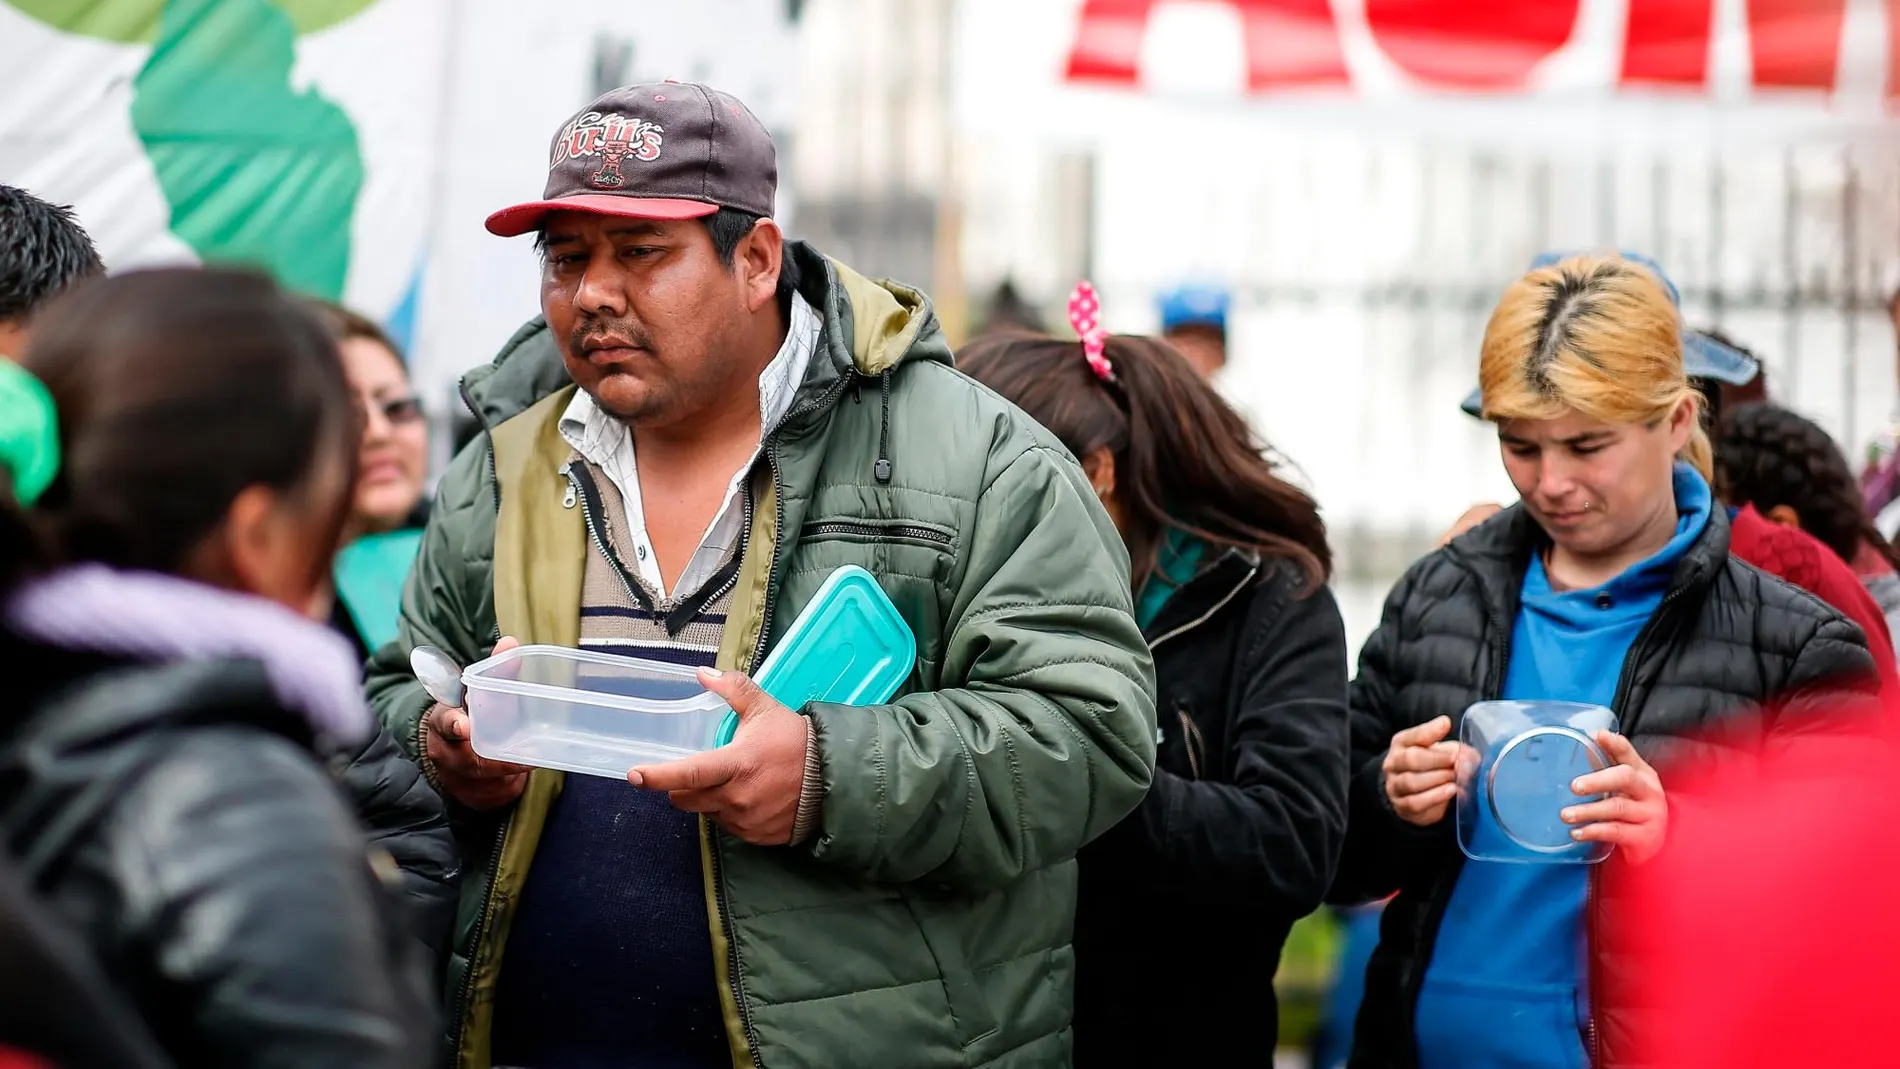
849,646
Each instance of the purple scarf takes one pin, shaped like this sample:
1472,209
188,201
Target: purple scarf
150,616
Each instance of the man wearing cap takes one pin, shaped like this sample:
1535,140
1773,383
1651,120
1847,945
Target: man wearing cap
704,425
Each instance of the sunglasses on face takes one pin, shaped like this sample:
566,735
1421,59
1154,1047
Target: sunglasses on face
399,411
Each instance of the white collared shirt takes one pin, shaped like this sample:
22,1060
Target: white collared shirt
608,443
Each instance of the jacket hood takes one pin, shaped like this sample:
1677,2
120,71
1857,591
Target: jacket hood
1499,550
870,328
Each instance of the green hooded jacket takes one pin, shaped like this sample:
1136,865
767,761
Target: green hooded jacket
927,922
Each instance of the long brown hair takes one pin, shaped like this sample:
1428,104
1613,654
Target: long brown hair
1183,457
176,388
347,324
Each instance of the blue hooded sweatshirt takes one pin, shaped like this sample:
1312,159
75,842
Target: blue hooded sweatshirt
1507,983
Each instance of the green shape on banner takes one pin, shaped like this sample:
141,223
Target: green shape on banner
133,21
255,172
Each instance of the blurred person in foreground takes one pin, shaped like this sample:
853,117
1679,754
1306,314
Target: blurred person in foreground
1610,584
43,250
1238,836
392,460
174,704
1765,936
1194,321
57,1009
707,422
1788,469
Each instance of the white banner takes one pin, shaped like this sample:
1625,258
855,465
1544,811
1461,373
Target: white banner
352,147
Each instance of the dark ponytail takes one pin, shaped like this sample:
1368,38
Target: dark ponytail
1767,456
22,551
1183,457
176,389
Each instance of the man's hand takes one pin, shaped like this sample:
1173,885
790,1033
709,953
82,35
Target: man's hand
1472,517
468,777
1421,772
1635,816
750,785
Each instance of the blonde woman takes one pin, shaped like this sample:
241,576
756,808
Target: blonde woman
1610,583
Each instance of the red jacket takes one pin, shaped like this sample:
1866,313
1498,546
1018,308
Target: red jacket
1801,559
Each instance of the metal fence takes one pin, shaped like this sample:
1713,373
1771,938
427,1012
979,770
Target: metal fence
1363,274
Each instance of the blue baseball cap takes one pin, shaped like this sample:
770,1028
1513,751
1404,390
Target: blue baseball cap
1702,356
1200,305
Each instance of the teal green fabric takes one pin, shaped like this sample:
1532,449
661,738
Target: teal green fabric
1179,561
258,166
29,432
370,573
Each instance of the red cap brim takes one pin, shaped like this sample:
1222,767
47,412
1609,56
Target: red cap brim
522,218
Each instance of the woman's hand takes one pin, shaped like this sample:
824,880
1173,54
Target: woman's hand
1421,773
1635,816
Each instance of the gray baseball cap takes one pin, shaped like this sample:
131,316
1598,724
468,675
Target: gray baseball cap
668,150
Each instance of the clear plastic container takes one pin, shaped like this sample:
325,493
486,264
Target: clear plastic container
1516,763
592,713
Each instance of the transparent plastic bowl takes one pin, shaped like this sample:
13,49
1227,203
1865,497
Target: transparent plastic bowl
592,713
1517,760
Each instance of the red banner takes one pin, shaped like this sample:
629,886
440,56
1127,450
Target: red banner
1490,46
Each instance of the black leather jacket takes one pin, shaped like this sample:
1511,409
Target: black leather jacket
179,818
54,1004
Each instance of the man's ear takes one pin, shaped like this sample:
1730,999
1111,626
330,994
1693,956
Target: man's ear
12,339
758,260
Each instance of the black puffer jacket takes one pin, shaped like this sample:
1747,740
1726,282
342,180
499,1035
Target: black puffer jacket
1183,907
1726,638
406,818
178,818
404,815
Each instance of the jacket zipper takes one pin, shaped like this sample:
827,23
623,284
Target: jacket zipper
875,530
1191,739
481,927
1209,614
1626,679
758,650
732,579
1624,683
581,480
459,1021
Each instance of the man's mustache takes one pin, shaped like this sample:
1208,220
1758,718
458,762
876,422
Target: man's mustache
600,329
